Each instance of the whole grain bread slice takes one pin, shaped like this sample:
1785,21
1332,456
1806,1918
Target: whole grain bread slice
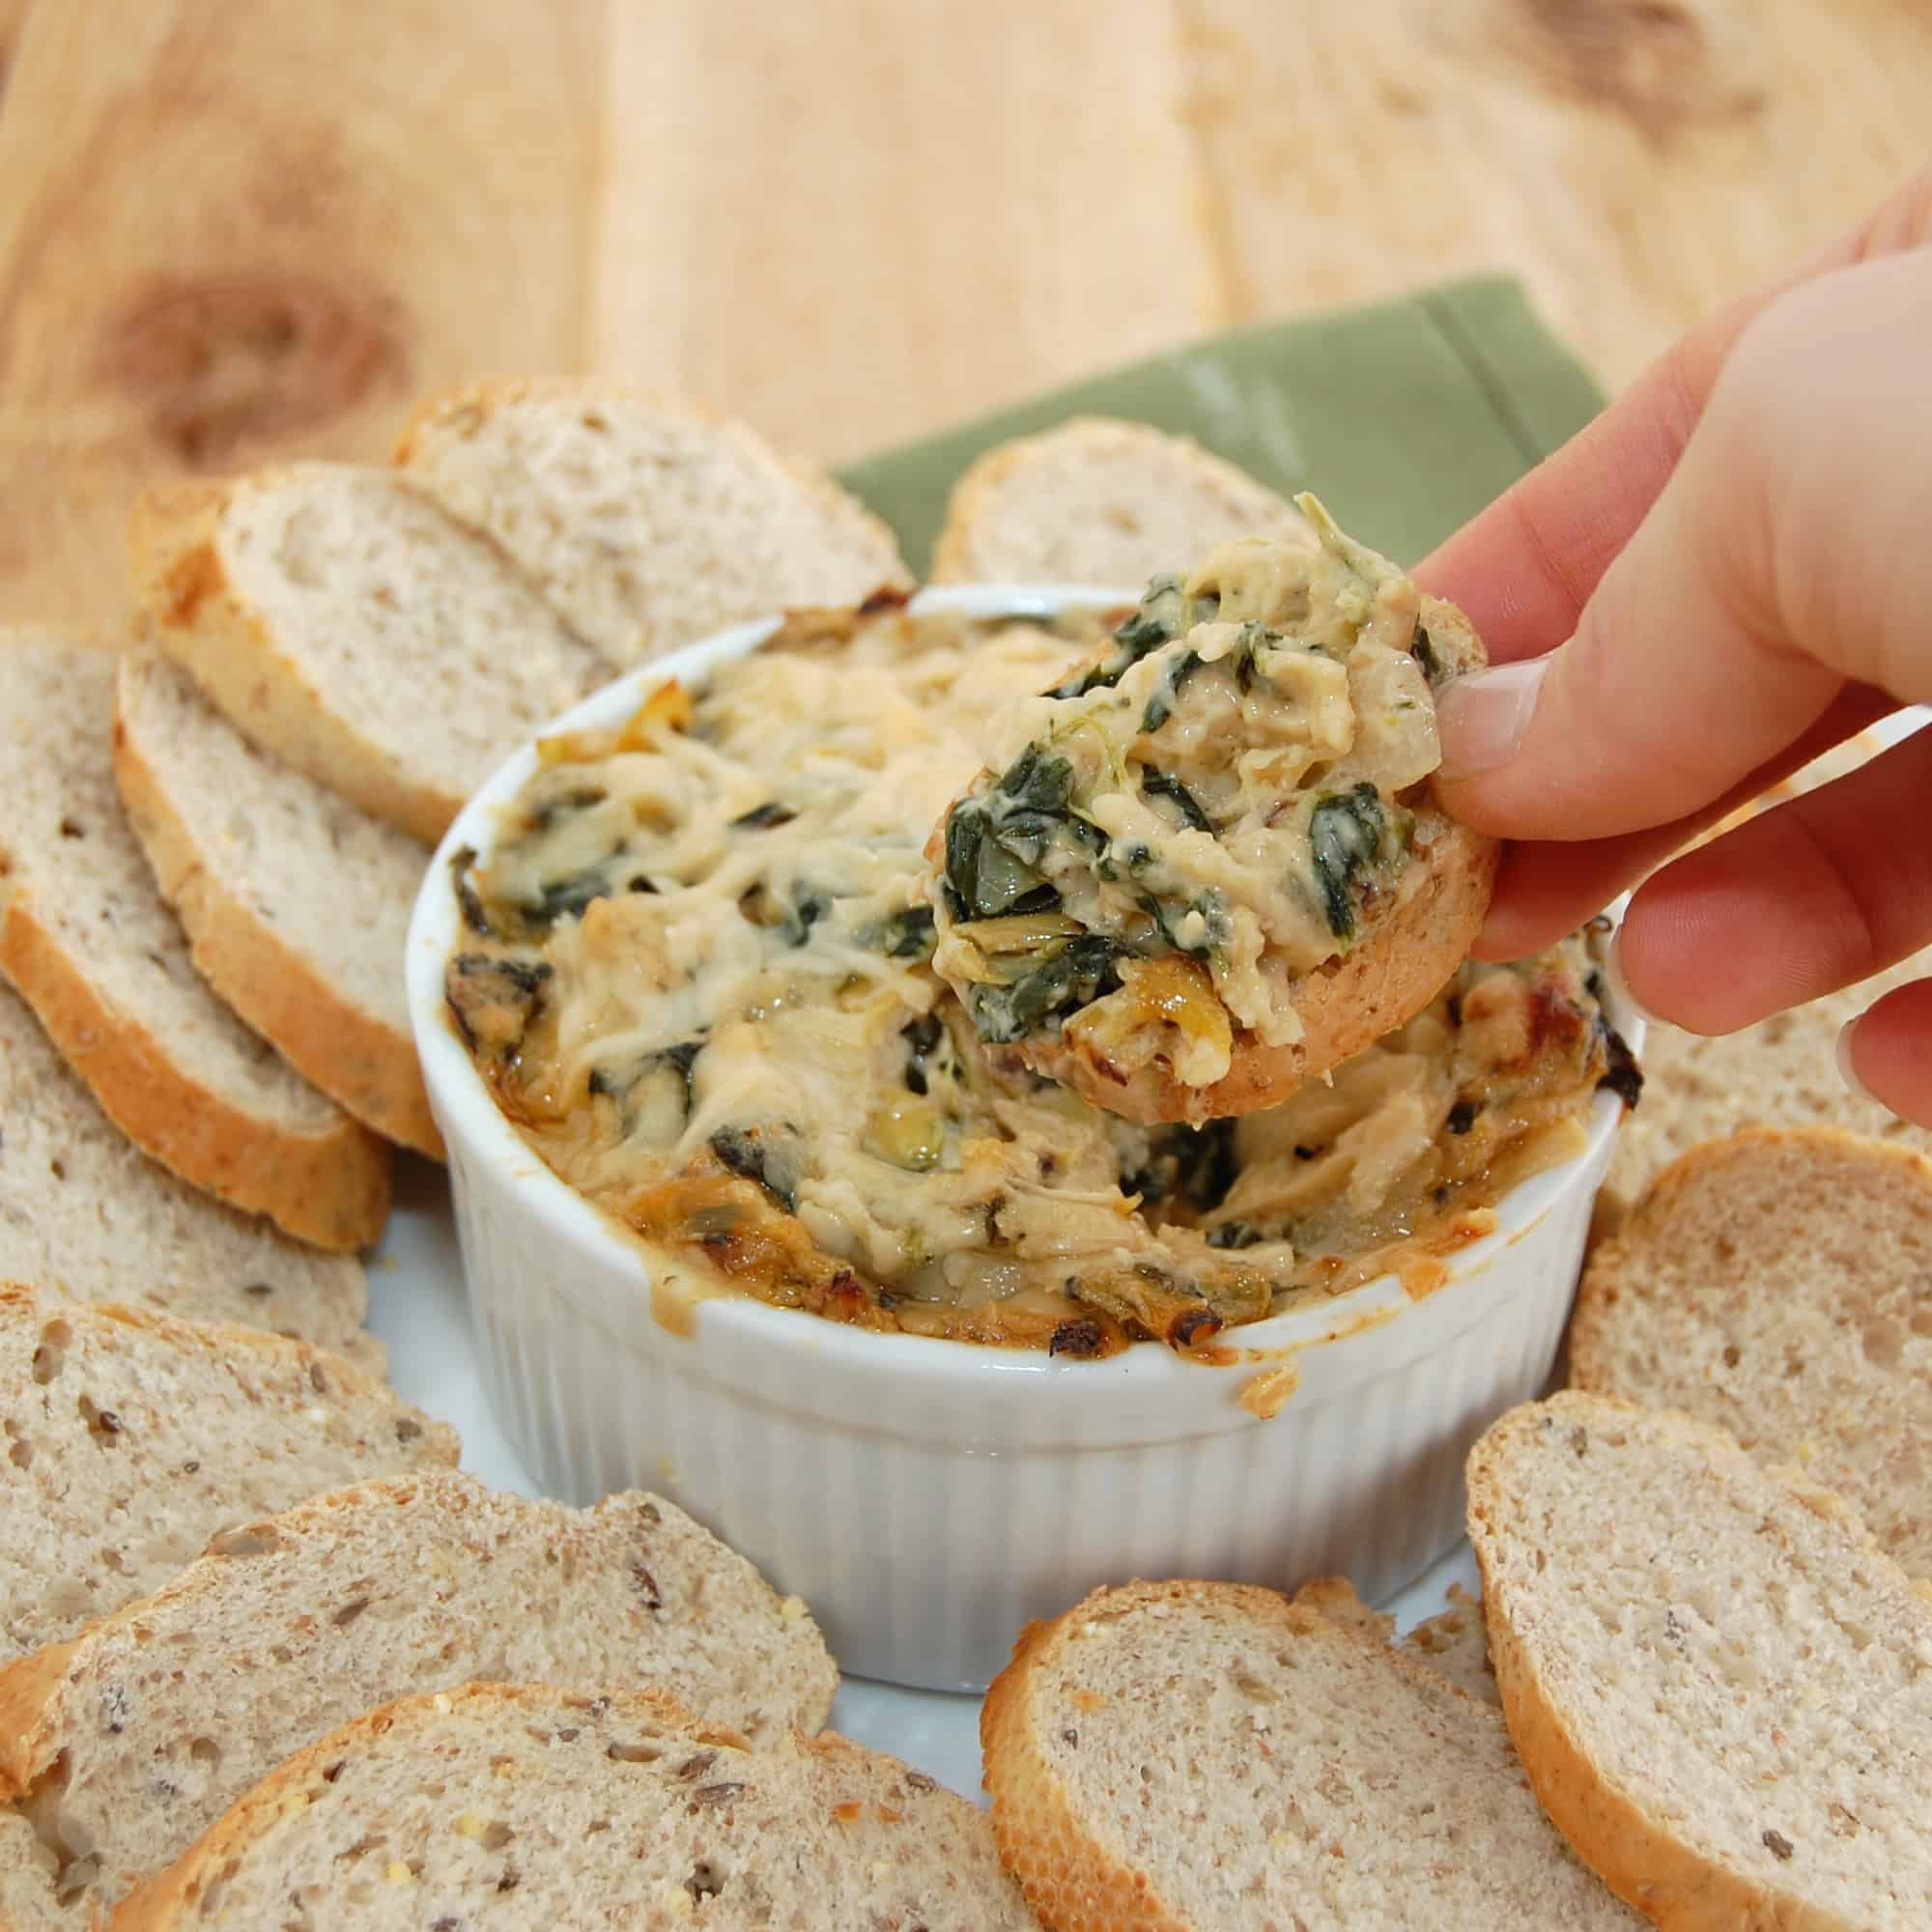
1719,1685
1779,1284
296,903
538,1810
1455,1642
89,943
87,1217
346,625
1098,501
128,1741
131,1438
646,523
1210,1757
1784,1072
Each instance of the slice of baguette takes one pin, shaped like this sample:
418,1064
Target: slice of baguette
1096,500
1721,1687
132,1439
296,903
1779,1284
535,1810
91,947
348,626
1208,1758
132,1739
1784,1072
1455,1642
86,1216
648,523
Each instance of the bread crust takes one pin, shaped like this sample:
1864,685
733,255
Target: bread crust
200,621
366,1066
953,559
329,1188
1610,1827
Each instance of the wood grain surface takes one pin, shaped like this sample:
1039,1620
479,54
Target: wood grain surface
236,228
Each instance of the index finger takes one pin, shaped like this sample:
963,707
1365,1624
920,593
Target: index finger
1524,567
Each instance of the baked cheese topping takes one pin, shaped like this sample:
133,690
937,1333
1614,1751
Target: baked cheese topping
1167,843
697,975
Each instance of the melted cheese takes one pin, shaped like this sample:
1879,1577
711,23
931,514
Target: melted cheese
731,1037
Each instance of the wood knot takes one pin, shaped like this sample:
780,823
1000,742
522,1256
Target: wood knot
218,365
1650,61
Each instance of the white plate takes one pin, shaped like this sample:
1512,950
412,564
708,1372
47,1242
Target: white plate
416,1305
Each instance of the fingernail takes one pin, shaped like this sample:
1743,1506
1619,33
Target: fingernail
1849,1073
1620,997
1482,717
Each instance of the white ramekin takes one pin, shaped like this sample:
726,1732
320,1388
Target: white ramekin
927,1497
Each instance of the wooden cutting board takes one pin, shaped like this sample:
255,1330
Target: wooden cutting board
236,228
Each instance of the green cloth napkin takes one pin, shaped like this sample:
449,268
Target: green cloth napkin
1405,417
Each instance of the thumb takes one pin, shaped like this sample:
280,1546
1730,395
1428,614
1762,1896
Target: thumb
1785,558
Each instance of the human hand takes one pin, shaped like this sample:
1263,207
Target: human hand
1739,555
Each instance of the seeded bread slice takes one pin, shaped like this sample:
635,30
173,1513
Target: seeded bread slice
87,1217
1208,1758
1779,1284
1721,1687
348,626
1098,501
535,1810
647,523
90,944
1784,1072
296,903
1455,1642
134,1738
131,1438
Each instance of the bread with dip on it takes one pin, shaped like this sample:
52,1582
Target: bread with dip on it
1207,867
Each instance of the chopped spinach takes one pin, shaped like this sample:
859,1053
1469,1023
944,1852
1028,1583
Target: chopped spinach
1161,706
1073,976
1236,1234
761,817
995,843
1424,652
905,935
766,1154
923,1038
493,998
1347,835
1187,1167
1164,614
566,898
652,1093
1158,784
1624,1077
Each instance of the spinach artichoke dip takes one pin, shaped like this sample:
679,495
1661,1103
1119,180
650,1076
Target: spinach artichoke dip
698,974
1169,844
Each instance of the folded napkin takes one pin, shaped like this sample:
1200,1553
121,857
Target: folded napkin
1405,417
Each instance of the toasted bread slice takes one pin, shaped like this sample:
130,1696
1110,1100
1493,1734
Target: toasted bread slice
343,622
647,523
494,1806
89,943
1098,501
1207,867
87,1217
1719,1685
1210,1757
139,1733
1774,1284
296,903
134,1437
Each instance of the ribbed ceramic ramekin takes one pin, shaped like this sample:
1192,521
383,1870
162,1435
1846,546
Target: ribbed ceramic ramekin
926,1497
